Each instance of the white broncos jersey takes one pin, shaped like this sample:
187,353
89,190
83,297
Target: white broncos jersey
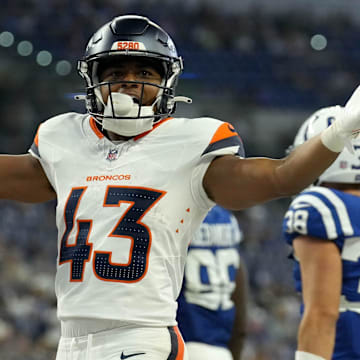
126,212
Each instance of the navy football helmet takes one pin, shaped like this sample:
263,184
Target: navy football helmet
130,35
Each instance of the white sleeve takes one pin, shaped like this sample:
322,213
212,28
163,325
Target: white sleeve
224,141
43,151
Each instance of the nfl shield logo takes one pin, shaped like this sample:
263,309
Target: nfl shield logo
112,155
343,164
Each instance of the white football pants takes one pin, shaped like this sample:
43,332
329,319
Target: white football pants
126,342
201,351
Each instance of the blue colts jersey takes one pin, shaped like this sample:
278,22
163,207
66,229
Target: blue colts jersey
206,311
334,216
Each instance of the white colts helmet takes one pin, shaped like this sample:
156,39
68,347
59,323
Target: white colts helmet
346,168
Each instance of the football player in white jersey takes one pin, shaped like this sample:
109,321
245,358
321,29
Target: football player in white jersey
132,184
323,227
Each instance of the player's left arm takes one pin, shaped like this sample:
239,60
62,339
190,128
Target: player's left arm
237,183
239,298
321,275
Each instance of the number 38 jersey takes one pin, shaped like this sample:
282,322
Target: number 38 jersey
206,312
334,216
126,211
331,215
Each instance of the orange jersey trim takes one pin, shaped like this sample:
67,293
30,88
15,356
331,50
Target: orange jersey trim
224,131
100,135
154,127
95,129
181,346
36,139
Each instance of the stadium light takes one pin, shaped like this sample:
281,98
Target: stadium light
25,48
63,67
44,58
6,39
318,42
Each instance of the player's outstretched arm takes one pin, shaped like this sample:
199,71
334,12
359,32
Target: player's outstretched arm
22,178
240,183
321,275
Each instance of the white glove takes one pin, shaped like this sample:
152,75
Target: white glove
345,127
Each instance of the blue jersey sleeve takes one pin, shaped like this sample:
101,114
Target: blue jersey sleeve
319,212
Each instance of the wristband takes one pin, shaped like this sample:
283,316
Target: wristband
302,355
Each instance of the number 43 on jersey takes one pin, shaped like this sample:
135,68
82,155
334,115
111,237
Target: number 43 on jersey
129,226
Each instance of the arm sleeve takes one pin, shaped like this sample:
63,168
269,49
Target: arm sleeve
224,141
43,151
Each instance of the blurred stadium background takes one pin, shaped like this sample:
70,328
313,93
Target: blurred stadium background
263,66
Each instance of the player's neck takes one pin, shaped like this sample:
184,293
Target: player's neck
355,192
116,137
111,135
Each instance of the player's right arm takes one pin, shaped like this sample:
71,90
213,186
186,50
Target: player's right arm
321,275
22,178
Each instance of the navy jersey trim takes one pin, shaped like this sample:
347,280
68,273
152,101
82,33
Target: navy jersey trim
174,344
224,143
35,149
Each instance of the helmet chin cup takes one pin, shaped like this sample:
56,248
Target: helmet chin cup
119,105
124,117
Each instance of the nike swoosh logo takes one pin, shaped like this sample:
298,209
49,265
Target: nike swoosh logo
123,356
